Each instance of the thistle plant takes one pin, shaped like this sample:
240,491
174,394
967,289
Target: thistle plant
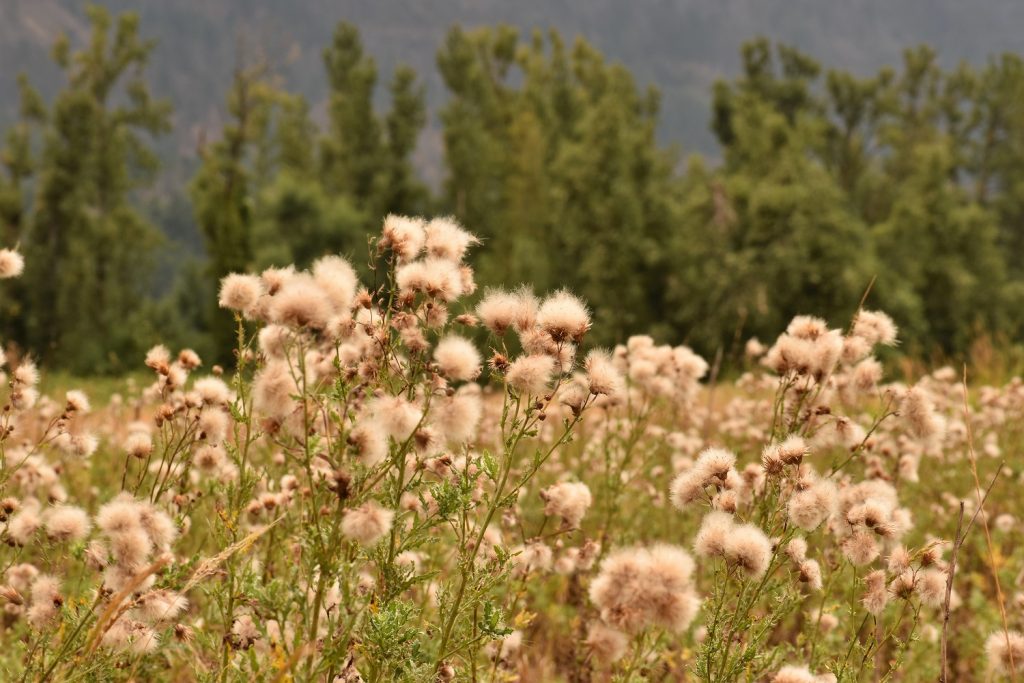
402,479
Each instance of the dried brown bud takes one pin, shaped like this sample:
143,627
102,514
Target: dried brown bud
499,362
11,595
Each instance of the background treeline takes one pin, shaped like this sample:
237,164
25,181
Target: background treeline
824,182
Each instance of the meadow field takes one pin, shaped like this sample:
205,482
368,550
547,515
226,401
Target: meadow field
393,484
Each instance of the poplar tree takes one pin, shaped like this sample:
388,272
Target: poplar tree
88,249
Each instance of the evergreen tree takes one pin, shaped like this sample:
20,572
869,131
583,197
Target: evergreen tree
88,250
552,159
222,194
768,237
363,155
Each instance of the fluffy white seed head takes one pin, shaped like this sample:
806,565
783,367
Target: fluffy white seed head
457,358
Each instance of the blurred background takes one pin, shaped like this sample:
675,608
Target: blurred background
699,170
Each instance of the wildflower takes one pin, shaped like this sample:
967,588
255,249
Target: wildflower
754,348
162,605
369,441
574,395
12,264
525,309
828,622
791,451
23,526
535,557
727,501
76,401
919,412
411,278
810,573
158,358
931,587
245,631
404,236
138,445
1005,651
797,549
602,375
899,560
24,399
608,644
397,416
825,353
367,523
860,548
212,390
239,292
875,597
274,279
1005,523
867,374
118,516
273,339
82,445
209,458
568,500
507,648
714,531
800,674
437,278
499,310
637,587
812,506
157,524
21,576
855,348
530,375
189,359
747,547
875,327
564,317
337,280
46,601
66,523
301,303
445,673
457,358
715,463
273,388
213,424
807,327
142,639
457,417
446,239
26,374
789,354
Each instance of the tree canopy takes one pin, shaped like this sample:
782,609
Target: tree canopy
907,184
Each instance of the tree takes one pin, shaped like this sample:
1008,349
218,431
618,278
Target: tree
363,155
88,249
769,236
222,194
552,159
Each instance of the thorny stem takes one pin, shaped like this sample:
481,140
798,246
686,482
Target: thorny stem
984,525
499,495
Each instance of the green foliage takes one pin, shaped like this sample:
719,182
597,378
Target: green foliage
561,175
908,183
87,249
883,180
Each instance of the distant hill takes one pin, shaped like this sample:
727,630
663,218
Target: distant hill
680,46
